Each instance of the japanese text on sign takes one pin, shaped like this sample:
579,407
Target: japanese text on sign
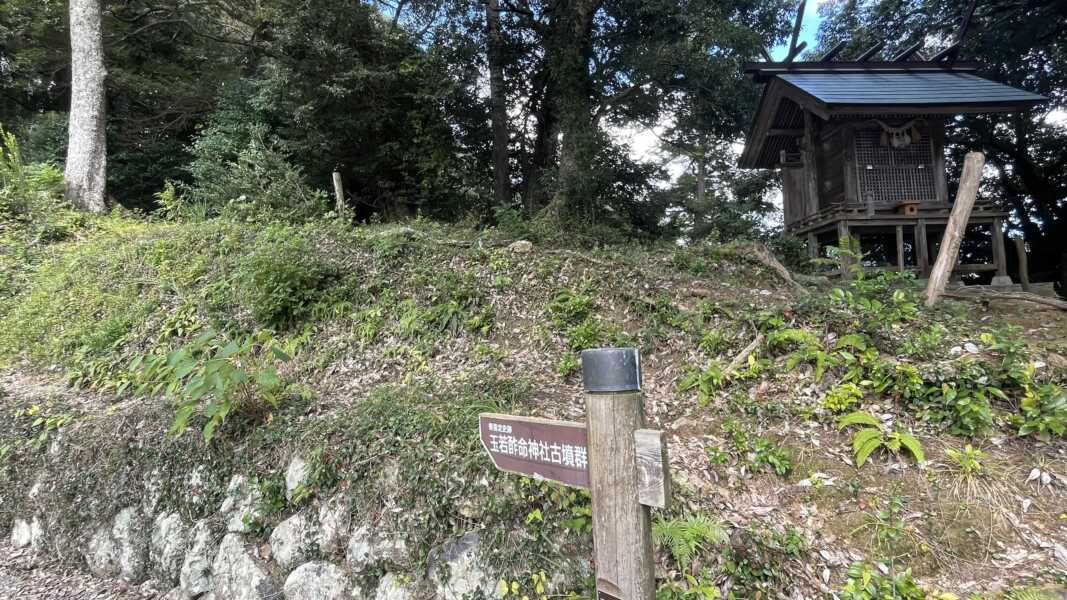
567,455
554,450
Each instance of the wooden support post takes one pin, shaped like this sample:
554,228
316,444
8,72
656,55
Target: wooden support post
1024,263
922,248
999,254
957,226
813,246
900,248
844,242
622,534
339,193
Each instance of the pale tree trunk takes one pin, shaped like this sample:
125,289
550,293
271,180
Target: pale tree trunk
498,105
702,174
86,171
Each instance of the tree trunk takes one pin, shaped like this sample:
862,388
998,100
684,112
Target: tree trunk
543,154
957,226
498,105
572,46
702,174
86,170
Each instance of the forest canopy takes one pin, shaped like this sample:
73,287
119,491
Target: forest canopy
500,110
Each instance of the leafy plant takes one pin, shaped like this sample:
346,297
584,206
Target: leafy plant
865,582
714,341
872,437
1044,411
587,334
567,364
968,461
706,381
211,376
281,278
757,452
570,308
842,397
963,404
685,537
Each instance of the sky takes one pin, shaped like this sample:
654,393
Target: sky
808,30
643,141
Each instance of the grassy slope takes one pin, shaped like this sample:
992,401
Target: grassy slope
400,336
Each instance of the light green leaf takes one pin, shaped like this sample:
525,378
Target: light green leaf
912,444
864,436
858,417
867,449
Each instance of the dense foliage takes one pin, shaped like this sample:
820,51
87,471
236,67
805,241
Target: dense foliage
251,109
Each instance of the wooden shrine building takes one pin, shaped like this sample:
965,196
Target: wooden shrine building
860,148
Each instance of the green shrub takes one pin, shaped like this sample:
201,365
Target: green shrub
715,341
570,308
843,397
213,376
251,178
961,399
584,335
283,276
865,582
24,187
1044,411
873,436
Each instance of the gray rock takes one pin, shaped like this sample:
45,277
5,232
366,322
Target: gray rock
296,475
153,490
195,574
391,588
367,548
130,533
241,506
166,551
196,484
456,571
334,520
21,533
521,246
175,594
102,553
238,574
37,537
317,581
293,540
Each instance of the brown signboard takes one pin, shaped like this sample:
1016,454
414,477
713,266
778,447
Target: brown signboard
540,448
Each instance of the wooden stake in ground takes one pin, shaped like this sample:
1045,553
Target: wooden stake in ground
1024,266
622,533
957,225
339,192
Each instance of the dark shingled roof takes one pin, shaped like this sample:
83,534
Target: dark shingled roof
912,89
831,90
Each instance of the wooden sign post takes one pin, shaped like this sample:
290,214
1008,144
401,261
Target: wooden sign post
623,465
622,532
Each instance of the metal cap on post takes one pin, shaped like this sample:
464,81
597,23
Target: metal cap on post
611,370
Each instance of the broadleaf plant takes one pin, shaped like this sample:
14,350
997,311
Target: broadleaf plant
212,375
873,436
